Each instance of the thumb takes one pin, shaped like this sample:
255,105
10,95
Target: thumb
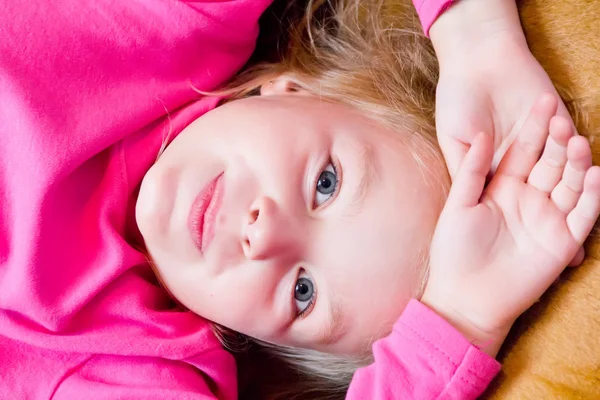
469,182
460,115
454,152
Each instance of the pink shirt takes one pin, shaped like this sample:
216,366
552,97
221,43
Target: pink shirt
84,89
429,10
424,358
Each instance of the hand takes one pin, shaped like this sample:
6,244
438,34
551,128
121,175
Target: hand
489,80
496,251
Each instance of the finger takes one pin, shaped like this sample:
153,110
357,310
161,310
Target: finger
578,259
470,178
579,159
564,112
548,171
529,143
583,217
454,152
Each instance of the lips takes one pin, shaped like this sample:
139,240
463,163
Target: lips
204,212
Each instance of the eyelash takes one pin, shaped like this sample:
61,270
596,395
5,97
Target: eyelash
311,303
309,307
336,169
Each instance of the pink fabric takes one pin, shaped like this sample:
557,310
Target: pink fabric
85,87
424,358
430,10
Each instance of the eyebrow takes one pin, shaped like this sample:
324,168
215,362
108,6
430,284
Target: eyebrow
368,172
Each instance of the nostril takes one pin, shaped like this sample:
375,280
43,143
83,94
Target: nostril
246,245
253,216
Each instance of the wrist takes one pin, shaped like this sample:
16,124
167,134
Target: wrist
472,24
487,340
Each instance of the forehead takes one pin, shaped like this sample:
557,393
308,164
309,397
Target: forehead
306,110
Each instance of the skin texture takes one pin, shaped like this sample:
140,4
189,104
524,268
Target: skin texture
553,351
273,228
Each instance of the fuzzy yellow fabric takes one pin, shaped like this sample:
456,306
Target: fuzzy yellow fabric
554,349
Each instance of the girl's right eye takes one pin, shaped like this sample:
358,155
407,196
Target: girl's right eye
304,295
327,185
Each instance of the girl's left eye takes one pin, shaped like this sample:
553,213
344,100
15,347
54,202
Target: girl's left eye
327,185
304,295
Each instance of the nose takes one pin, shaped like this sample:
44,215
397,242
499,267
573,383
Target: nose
267,231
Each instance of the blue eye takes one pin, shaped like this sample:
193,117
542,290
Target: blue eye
327,185
304,294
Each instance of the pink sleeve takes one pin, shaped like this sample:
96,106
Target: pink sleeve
424,358
429,10
143,378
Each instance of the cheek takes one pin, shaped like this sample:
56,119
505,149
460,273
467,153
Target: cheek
373,303
385,287
405,223
384,273
152,206
241,302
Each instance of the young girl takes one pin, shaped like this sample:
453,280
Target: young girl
252,209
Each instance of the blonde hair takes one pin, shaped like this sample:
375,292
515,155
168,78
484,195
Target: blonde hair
373,56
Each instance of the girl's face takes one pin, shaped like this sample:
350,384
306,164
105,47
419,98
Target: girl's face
290,219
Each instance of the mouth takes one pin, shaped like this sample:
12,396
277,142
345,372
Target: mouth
203,213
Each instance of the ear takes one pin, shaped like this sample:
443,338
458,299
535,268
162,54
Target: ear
280,85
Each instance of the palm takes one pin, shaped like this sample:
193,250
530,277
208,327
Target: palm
515,225
525,221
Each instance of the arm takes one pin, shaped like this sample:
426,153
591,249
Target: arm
430,10
489,79
470,23
459,21
424,358
463,33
